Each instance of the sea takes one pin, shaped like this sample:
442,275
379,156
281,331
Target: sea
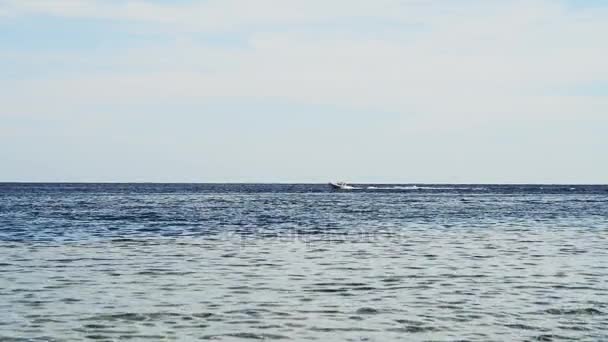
303,262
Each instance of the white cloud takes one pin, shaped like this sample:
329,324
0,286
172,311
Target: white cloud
465,62
217,14
494,58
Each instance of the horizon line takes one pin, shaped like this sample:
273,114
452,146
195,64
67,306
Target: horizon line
293,183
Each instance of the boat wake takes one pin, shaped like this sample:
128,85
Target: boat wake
415,187
345,186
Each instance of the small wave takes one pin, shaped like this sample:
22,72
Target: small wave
413,329
521,326
583,311
344,330
367,311
246,335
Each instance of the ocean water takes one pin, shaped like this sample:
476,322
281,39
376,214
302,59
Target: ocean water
238,262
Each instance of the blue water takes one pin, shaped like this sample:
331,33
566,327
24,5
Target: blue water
303,262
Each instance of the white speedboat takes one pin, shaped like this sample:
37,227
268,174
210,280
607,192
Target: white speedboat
341,186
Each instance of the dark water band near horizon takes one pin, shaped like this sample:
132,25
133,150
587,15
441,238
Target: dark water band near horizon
238,262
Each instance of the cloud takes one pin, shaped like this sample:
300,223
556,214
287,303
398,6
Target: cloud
476,60
214,14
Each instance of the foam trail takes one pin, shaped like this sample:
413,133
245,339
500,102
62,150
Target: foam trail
415,187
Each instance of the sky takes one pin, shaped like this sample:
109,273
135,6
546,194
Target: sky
384,91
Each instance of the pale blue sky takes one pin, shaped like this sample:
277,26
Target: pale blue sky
463,91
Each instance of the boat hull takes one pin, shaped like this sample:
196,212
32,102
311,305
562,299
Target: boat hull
338,186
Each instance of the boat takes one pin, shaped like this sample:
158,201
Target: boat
341,186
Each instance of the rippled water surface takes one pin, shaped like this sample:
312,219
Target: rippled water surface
302,262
